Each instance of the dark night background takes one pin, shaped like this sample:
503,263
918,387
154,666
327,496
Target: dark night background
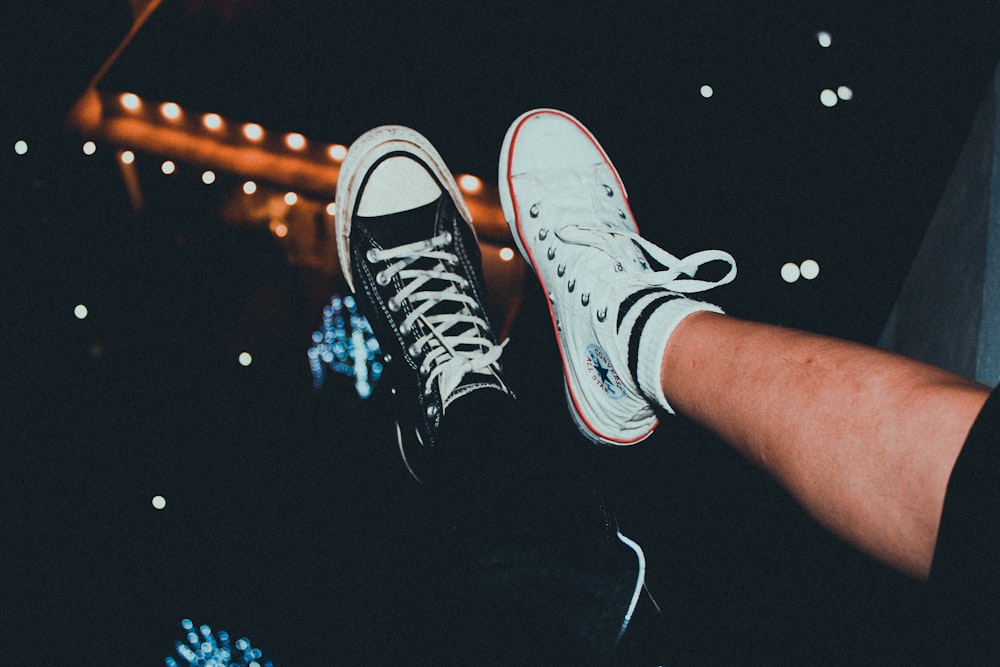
289,516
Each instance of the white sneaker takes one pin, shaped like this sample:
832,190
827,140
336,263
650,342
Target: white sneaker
614,297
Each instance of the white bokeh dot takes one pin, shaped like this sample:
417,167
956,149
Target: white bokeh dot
790,272
824,38
80,311
809,269
245,359
845,93
159,502
707,91
828,98
20,146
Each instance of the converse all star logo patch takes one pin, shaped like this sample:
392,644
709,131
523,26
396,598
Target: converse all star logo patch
603,373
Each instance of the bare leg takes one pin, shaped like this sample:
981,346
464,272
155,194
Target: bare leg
864,439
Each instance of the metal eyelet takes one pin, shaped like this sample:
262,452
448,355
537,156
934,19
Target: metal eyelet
608,191
602,314
533,211
561,270
552,252
387,358
404,329
413,350
393,305
618,267
542,234
621,214
432,410
571,285
585,299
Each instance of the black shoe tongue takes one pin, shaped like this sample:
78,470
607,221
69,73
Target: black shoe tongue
396,229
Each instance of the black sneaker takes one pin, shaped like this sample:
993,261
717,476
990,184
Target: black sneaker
408,250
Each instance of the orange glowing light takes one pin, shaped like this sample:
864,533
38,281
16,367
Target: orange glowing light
295,141
130,101
170,110
337,152
281,230
469,184
253,131
212,121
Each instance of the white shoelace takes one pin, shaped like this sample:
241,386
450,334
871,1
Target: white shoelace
677,274
444,332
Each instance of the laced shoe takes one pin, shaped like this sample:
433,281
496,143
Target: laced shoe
409,252
614,297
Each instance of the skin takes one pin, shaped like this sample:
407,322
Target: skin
864,439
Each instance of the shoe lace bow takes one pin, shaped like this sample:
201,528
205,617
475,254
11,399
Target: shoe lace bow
677,273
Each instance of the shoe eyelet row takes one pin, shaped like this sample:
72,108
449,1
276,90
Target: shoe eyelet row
543,234
571,285
602,314
552,252
585,299
533,211
561,270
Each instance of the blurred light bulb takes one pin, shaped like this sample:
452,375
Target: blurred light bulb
253,131
790,272
130,101
809,269
170,110
212,121
337,152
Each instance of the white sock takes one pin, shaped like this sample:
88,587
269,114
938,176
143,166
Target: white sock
653,337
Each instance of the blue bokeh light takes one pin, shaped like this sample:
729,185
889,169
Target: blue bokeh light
346,345
205,649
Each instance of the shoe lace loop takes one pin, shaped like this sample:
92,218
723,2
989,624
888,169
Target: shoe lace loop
677,274
445,320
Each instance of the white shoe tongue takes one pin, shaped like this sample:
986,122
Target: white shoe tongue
397,184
